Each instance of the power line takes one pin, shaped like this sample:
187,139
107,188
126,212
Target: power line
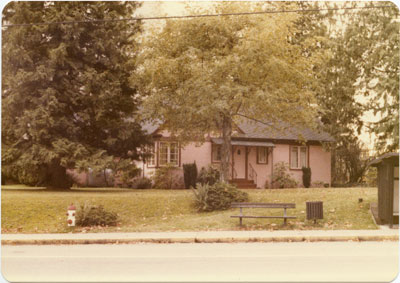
193,16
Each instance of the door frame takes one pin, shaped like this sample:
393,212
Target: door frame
246,160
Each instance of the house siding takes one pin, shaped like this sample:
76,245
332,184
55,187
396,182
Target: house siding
320,164
189,153
199,153
281,153
319,161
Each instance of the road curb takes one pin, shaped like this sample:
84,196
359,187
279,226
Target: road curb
202,240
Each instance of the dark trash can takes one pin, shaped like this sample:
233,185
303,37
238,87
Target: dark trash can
314,210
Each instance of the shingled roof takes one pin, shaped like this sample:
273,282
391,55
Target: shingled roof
249,129
280,131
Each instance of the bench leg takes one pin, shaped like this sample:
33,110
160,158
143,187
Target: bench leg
284,215
240,219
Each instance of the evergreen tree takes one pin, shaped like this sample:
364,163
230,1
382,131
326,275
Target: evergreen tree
66,97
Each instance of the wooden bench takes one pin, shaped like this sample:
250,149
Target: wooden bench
242,205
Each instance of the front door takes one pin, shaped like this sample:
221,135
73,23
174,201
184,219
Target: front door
239,161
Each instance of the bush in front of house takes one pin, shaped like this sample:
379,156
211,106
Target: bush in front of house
317,184
167,178
142,183
306,176
218,196
95,215
208,176
190,175
281,178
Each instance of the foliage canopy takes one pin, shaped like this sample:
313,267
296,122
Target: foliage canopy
202,75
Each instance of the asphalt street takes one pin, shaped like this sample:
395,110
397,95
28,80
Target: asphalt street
273,262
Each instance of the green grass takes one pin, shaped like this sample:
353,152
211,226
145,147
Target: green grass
37,210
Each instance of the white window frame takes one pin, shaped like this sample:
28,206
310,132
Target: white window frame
265,150
151,159
298,156
215,148
161,143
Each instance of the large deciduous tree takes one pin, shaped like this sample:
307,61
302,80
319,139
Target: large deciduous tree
202,75
373,39
341,112
66,94
361,75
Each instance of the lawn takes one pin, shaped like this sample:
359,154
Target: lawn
37,210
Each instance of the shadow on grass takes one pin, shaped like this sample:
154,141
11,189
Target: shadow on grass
72,190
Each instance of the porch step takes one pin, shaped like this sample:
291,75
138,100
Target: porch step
243,183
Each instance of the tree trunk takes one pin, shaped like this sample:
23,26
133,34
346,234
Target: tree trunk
226,148
56,177
105,177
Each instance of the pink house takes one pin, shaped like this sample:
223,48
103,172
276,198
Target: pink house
255,151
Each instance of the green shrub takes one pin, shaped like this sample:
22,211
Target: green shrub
371,177
109,171
208,176
94,215
167,178
190,175
31,176
318,184
306,176
217,197
126,173
281,178
142,183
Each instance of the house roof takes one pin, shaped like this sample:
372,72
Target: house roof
387,156
150,127
248,143
280,131
249,129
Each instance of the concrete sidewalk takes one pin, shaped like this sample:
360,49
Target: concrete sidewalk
202,237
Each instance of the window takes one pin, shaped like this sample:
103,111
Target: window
151,158
169,153
298,157
262,155
216,153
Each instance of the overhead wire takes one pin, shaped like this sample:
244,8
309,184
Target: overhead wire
193,16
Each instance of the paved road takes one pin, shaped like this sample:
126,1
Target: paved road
307,262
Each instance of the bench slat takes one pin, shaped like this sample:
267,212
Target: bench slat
245,216
262,205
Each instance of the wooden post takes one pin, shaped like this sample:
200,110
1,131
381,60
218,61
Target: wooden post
241,214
